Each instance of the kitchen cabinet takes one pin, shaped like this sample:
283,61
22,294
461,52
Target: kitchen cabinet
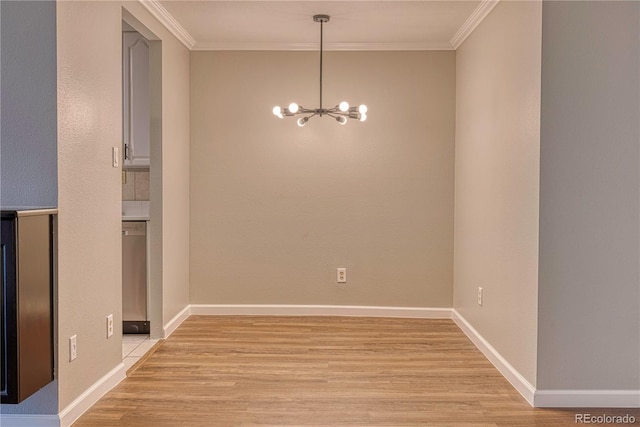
26,302
136,101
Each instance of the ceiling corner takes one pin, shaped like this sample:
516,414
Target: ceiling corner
170,23
478,15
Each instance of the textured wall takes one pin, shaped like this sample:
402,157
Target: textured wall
497,180
276,208
176,139
28,151
28,162
90,123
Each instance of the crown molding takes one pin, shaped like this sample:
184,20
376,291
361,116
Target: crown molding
169,22
327,46
166,19
478,15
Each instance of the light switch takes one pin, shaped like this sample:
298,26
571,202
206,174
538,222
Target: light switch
115,156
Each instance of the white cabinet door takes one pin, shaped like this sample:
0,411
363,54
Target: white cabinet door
136,120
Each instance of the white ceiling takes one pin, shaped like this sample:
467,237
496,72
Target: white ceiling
288,24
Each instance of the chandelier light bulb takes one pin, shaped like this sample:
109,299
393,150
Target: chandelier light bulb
341,119
277,111
363,117
344,106
302,121
362,109
293,108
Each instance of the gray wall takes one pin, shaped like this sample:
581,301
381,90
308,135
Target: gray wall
589,225
28,165
28,168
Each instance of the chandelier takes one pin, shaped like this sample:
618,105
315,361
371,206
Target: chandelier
340,112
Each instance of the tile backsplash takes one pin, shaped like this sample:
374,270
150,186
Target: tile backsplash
135,185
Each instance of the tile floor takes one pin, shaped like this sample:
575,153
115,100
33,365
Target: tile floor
134,347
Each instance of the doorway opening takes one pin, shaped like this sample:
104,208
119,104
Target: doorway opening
141,189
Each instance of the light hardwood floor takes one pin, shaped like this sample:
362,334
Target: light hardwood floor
332,371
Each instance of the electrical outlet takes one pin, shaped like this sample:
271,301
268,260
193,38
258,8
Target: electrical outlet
342,275
480,292
110,326
73,348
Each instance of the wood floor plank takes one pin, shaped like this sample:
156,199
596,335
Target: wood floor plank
318,371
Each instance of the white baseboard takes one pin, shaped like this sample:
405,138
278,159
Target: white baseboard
75,409
87,399
173,324
27,420
587,399
506,369
319,310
